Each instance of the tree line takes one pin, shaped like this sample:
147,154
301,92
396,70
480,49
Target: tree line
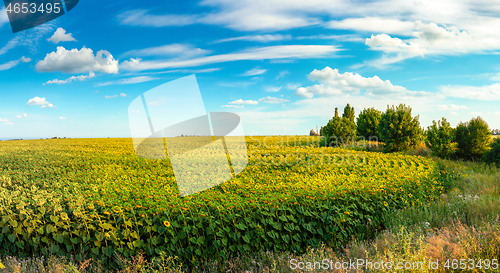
399,130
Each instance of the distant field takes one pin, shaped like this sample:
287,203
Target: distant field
495,136
96,195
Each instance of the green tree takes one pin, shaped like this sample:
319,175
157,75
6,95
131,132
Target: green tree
339,131
349,112
472,138
440,137
493,155
367,123
398,130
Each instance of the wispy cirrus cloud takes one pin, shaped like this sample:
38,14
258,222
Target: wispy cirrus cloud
254,72
262,53
141,17
266,38
270,99
178,50
11,64
132,80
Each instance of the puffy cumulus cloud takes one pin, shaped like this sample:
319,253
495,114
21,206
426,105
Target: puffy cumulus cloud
22,116
62,118
244,102
77,61
61,36
270,99
486,92
430,39
334,83
233,106
72,78
40,101
452,107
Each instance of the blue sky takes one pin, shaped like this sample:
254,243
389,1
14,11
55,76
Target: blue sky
282,65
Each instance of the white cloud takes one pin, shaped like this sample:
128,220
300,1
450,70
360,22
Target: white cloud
334,83
132,80
140,17
374,24
281,74
11,64
262,53
4,18
234,106
258,38
254,71
22,116
431,39
486,92
270,99
116,96
77,61
244,102
40,101
72,78
293,86
6,121
178,50
61,36
272,88
62,118
452,107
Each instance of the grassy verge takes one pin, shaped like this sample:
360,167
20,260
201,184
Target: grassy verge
463,224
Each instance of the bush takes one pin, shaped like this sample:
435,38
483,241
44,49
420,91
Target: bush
440,137
367,123
472,138
399,130
493,155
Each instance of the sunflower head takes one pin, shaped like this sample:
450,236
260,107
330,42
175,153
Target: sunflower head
166,223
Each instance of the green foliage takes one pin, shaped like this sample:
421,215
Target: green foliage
367,123
493,155
349,112
399,130
49,202
472,138
340,131
440,137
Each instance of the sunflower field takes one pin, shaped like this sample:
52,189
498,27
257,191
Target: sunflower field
95,197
